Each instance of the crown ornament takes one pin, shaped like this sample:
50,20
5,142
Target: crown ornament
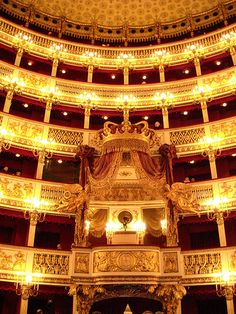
125,137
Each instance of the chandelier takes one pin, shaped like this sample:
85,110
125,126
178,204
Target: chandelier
36,211
5,139
211,146
164,100
27,285
43,149
226,286
217,209
88,100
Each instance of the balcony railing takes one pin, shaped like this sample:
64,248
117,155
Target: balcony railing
118,264
103,96
108,57
65,140
16,190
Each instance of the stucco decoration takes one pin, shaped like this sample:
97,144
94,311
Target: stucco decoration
118,12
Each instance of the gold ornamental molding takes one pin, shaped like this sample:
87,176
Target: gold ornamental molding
16,191
132,22
101,96
115,58
57,267
28,134
126,261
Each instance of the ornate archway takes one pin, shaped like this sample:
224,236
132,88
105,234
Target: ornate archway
88,295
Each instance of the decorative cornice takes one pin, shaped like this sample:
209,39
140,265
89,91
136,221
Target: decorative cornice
93,30
103,96
113,58
58,267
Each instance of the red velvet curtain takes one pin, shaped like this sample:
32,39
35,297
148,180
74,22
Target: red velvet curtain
84,152
101,166
151,166
168,153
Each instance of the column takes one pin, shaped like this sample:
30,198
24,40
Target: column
73,292
126,75
23,305
179,308
204,111
47,112
221,228
8,101
232,51
40,166
90,74
31,235
55,63
19,55
74,309
197,64
85,298
170,297
86,125
165,118
212,162
230,305
86,118
162,73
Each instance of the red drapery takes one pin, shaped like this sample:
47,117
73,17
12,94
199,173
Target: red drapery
100,168
151,166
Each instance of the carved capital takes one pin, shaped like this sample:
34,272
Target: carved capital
10,94
164,111
161,68
126,70
196,61
87,111
203,105
55,62
49,105
85,297
232,50
90,68
20,52
170,295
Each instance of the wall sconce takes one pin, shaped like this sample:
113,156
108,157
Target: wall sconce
194,51
56,51
36,212
228,40
42,149
202,93
27,285
111,227
50,95
226,286
140,228
90,57
126,103
164,100
5,139
217,209
164,226
88,100
13,84
161,57
22,42
211,146
125,60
